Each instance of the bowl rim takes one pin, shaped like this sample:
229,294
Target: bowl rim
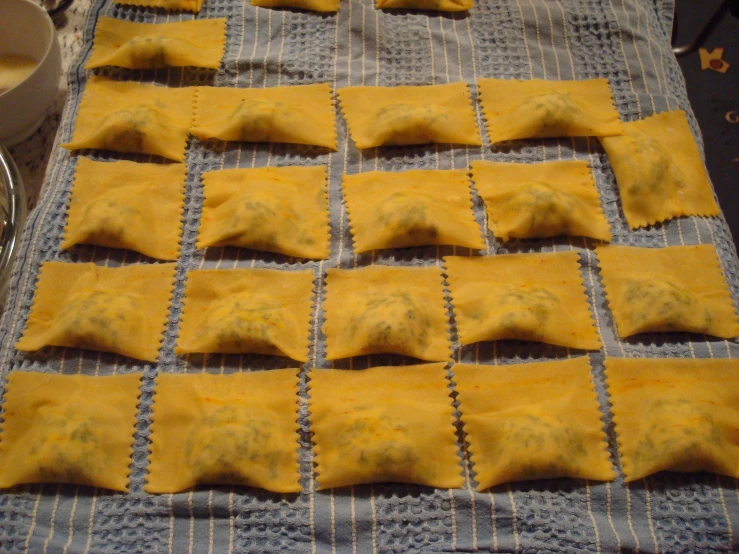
39,63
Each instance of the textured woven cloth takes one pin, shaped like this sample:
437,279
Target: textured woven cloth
626,41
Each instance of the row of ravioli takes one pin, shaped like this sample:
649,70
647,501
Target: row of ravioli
324,6
380,309
658,166
385,424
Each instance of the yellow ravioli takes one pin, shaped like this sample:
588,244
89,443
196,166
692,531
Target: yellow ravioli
198,43
169,5
384,116
539,109
530,297
121,310
275,209
675,415
258,311
237,429
659,170
677,288
532,421
126,116
411,208
136,206
299,114
311,5
68,429
541,200
382,309
435,5
384,424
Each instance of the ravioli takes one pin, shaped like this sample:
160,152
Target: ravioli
274,209
385,116
659,170
540,109
677,288
197,43
541,200
299,114
433,5
382,309
532,421
122,310
240,311
384,424
310,5
529,297
68,429
237,429
411,208
125,116
675,415
169,5
136,206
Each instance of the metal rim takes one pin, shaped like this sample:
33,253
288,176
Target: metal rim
11,182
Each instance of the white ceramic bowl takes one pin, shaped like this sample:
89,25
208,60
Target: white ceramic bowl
26,29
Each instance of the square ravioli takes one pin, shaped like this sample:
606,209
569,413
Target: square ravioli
136,206
676,288
659,170
68,429
547,109
197,43
385,116
247,311
675,415
169,5
541,200
274,209
237,429
532,421
298,114
122,310
384,424
386,310
125,116
433,5
529,297
411,208
310,5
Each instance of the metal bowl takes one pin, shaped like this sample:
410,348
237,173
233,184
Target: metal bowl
12,217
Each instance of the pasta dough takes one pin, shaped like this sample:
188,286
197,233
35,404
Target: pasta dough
300,114
532,421
384,424
311,5
276,209
539,109
237,429
677,288
381,309
530,297
170,5
129,205
411,208
675,415
259,311
435,5
68,429
659,170
122,310
541,200
126,116
198,43
384,116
